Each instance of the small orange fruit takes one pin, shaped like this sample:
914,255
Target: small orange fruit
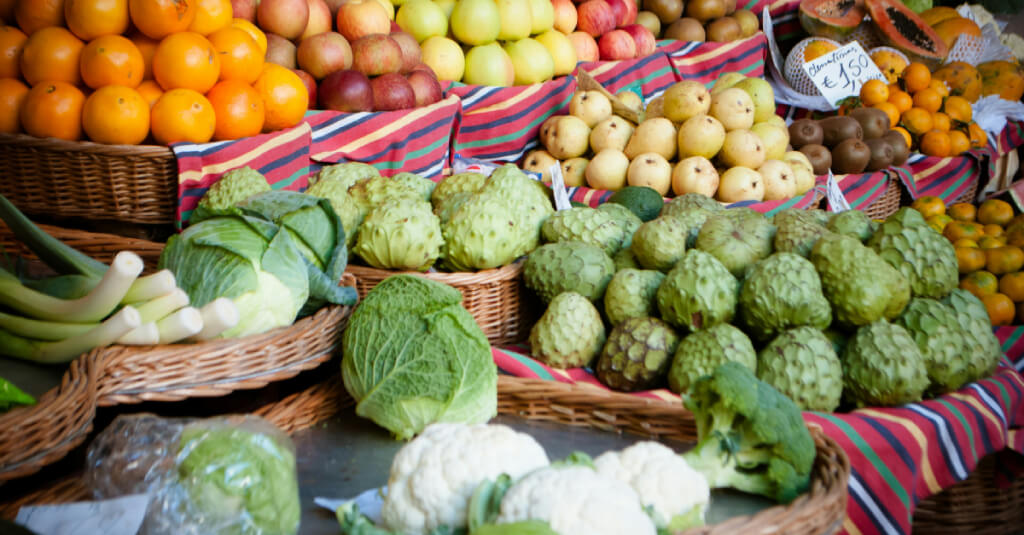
928,99
929,205
211,15
12,40
935,143
1015,235
186,60
12,95
916,77
901,99
941,122
965,242
891,110
254,32
874,92
150,91
239,110
1000,308
116,115
962,211
962,229
980,283
995,212
1012,285
993,230
970,259
940,87
240,56
89,19
958,143
51,55
939,222
978,136
917,121
182,115
53,109
991,242
34,15
160,18
285,97
1002,260
958,109
903,132
147,47
111,60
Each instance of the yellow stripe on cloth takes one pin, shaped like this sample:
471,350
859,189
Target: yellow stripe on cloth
981,407
849,527
530,91
302,129
384,131
722,51
942,162
922,442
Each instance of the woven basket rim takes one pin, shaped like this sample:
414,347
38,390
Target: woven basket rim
63,145
505,272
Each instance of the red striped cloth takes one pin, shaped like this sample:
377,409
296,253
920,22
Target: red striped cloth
596,197
705,62
862,190
282,157
1011,137
946,178
648,76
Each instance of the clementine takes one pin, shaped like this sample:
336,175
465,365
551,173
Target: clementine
239,110
159,18
111,60
995,212
211,15
929,205
285,97
34,15
980,283
89,19
182,115
186,60
12,40
1002,260
240,56
916,77
1000,308
116,114
935,143
962,211
150,91
12,95
1012,285
51,55
53,109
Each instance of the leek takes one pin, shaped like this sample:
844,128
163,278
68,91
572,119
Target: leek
160,307
180,325
42,329
219,315
67,349
144,335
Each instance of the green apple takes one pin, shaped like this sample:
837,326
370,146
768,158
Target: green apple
447,6
445,57
476,22
542,16
489,65
516,19
531,60
561,49
423,19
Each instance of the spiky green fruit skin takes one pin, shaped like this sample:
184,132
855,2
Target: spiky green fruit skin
568,267
569,334
348,209
883,367
802,364
233,187
781,292
981,348
851,223
698,293
450,204
529,199
691,200
798,230
820,216
587,225
625,259
423,185
691,216
458,183
637,354
861,287
934,327
703,351
625,218
484,233
928,260
377,190
632,293
402,234
660,243
737,239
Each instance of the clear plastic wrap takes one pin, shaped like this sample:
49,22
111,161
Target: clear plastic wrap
232,474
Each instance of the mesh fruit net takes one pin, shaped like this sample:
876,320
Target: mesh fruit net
794,71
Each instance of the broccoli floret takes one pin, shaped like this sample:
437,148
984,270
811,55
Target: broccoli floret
347,173
750,436
229,190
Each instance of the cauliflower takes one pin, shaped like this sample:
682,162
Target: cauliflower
672,490
433,477
576,500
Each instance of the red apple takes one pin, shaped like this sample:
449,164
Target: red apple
286,18
423,67
395,27
411,53
616,44
643,38
310,83
323,54
376,54
281,51
585,45
595,17
334,5
625,12
565,15
425,87
347,90
357,18
392,91
244,9
320,19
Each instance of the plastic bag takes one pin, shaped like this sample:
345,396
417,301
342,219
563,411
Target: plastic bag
232,474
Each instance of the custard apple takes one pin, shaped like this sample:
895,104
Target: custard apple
660,243
908,243
402,234
940,338
736,238
981,348
568,267
229,190
781,292
457,183
569,334
798,230
691,216
637,354
449,204
626,259
588,225
698,293
375,191
347,174
632,293
861,287
802,364
423,185
851,223
882,366
484,233
625,218
703,351
688,201
349,211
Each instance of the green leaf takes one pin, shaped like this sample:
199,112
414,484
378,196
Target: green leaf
11,395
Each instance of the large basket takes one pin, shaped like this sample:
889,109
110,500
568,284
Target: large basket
975,506
102,247
888,203
497,298
970,195
52,177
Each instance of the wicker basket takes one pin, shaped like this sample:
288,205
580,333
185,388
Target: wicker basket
52,177
888,203
497,298
102,247
974,506
971,195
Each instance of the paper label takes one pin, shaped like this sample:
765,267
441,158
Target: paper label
562,201
369,502
119,516
836,200
840,73
473,165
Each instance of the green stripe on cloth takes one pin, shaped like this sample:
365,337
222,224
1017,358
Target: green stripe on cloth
514,135
412,155
286,182
533,365
1012,339
963,421
654,75
1006,395
859,201
871,455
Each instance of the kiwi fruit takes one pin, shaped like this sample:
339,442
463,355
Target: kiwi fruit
850,156
819,156
873,121
685,29
881,153
840,128
805,132
900,150
724,30
705,10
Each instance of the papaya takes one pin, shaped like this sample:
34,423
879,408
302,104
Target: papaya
832,19
950,29
961,78
901,28
1002,78
890,61
938,14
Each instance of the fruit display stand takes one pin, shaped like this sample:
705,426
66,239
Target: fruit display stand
705,62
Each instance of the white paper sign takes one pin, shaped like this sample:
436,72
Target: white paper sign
119,516
836,200
840,73
562,201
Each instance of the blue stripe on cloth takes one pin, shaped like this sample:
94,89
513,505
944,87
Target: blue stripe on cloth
886,433
506,119
949,446
879,516
509,156
401,143
731,61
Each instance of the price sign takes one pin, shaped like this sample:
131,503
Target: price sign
836,200
840,73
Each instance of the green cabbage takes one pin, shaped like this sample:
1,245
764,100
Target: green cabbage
412,356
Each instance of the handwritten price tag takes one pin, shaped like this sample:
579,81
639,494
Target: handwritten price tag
836,200
840,73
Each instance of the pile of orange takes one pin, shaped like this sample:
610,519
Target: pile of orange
921,108
989,244
128,71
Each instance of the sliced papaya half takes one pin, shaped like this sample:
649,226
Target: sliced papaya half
833,19
900,27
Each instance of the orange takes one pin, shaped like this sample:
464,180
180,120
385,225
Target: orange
901,99
117,115
941,122
111,60
939,222
940,87
147,47
89,19
962,211
993,230
7,10
916,77
969,259
1000,308
964,242
239,110
254,32
160,18
1002,260
34,15
53,109
186,60
903,132
958,230
936,143
991,242
150,91
958,143
182,115
978,136
980,283
1015,235
928,99
211,15
917,121
51,55
874,92
995,212
12,94
929,205
1012,285
891,110
12,40
958,109
285,97
240,56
